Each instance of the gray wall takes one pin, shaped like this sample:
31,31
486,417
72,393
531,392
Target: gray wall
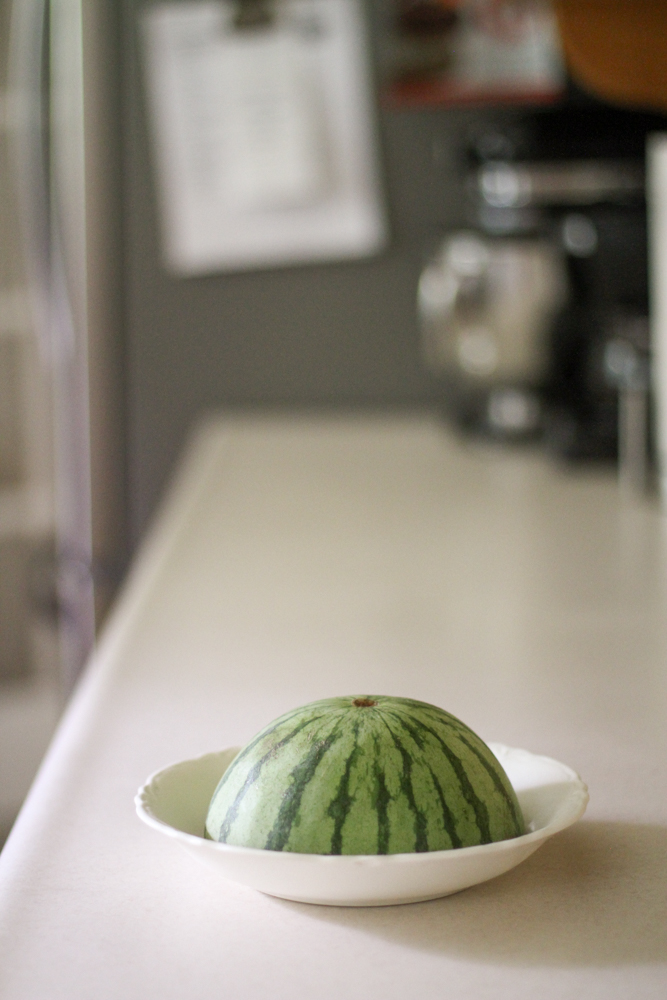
339,335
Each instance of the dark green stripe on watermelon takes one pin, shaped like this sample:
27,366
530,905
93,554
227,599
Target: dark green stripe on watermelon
407,790
418,730
380,802
488,762
300,776
465,785
254,773
370,775
340,805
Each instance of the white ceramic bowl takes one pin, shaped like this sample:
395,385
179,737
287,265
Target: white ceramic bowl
175,802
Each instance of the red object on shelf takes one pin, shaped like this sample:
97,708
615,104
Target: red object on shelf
426,92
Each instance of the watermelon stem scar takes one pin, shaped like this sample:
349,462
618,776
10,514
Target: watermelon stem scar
364,702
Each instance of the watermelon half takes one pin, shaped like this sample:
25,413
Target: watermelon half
366,774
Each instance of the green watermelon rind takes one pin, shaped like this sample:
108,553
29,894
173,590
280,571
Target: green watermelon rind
364,775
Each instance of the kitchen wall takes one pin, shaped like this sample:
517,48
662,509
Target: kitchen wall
338,335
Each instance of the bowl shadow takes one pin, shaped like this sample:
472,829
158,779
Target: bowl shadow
593,895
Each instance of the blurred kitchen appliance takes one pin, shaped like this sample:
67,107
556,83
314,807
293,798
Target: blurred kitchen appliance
657,194
487,305
544,185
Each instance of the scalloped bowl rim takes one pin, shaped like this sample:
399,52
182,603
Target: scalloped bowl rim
176,797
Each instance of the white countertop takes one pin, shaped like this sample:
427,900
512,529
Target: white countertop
299,559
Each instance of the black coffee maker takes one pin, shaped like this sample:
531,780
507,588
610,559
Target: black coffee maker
572,177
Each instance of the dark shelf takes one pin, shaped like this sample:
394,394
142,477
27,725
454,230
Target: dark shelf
431,92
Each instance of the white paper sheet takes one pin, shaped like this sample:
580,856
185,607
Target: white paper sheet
264,139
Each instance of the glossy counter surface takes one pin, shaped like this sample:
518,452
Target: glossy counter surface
298,559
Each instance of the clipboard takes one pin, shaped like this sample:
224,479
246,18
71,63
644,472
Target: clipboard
263,134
